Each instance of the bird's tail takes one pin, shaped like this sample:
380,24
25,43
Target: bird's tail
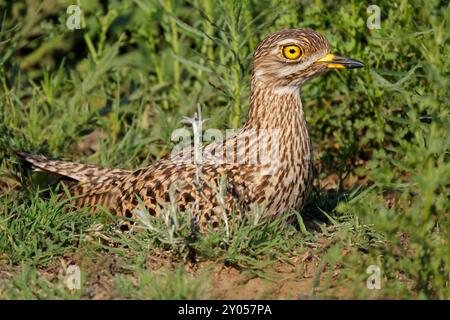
82,173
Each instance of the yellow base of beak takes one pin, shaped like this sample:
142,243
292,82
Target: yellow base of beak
333,61
335,66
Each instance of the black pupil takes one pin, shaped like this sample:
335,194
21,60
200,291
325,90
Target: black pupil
292,51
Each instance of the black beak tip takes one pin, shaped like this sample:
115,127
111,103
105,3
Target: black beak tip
355,64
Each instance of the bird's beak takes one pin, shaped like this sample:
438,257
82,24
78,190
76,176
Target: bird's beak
334,61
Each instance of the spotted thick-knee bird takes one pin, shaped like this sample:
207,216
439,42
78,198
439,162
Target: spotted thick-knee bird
268,162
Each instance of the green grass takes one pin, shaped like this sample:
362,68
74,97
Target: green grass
133,71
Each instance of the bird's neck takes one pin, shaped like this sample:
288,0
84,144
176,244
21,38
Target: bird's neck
278,114
275,108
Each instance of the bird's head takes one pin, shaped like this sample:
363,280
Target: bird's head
286,59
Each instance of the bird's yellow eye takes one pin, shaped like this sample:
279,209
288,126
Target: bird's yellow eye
291,52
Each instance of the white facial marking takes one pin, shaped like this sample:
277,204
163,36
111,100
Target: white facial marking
285,90
289,41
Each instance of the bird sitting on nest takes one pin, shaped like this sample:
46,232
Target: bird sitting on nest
267,163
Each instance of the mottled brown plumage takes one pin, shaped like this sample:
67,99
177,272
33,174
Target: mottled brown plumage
232,176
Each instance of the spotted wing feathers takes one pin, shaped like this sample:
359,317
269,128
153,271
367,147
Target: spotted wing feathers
80,172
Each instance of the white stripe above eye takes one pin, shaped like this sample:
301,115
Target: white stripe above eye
276,50
289,41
